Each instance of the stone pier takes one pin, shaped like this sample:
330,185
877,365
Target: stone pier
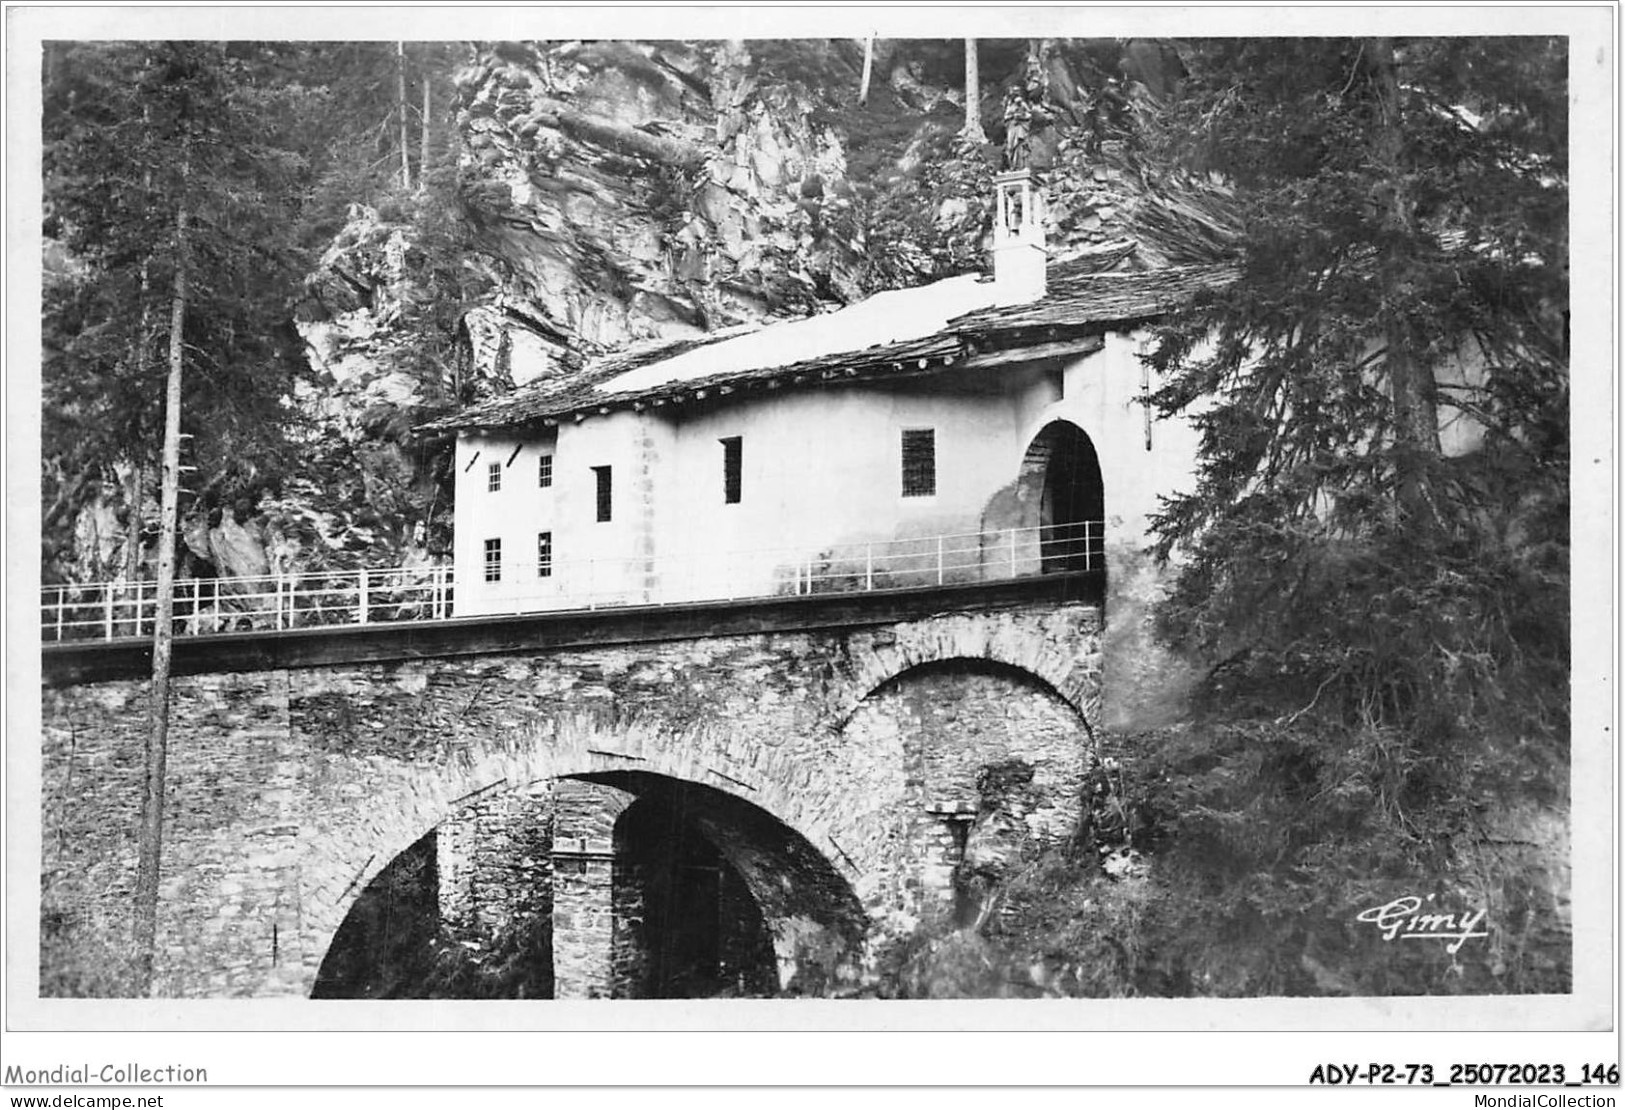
583,866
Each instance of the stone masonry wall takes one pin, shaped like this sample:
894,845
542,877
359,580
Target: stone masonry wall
495,864
290,790
584,915
957,723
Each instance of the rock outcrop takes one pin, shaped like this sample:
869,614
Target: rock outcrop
608,193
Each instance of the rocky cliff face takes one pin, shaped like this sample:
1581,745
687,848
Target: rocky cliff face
611,192
654,189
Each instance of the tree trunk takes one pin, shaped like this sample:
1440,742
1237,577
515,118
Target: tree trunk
868,69
423,134
149,852
132,524
138,359
400,111
973,96
1412,388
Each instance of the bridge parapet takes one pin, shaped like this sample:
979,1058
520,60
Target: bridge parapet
71,663
109,611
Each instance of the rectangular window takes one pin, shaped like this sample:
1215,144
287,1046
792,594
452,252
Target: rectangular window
732,452
919,462
604,492
544,471
493,477
544,554
493,560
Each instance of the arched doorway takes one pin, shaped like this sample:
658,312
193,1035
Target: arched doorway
1065,498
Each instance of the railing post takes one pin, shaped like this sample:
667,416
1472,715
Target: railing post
1012,553
869,566
107,609
939,560
60,606
361,592
1088,549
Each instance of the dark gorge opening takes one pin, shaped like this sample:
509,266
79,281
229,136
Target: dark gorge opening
690,928
616,884
396,943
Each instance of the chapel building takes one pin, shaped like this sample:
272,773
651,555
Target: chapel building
974,429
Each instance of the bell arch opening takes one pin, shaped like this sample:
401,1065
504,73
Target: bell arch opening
1064,498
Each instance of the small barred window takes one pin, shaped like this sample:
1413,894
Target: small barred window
919,462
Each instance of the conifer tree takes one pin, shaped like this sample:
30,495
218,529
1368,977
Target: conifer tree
1382,608
168,174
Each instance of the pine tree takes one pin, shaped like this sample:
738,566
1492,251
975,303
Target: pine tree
118,119
1404,262
169,169
1383,611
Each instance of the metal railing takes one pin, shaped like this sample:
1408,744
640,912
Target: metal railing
264,603
268,603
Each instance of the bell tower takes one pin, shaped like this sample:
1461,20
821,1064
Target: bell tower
1019,256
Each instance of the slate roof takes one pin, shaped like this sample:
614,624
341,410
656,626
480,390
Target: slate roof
1079,302
1083,300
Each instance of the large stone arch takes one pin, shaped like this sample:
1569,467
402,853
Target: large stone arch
345,850
1059,647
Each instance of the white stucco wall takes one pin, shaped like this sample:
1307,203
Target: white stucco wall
1105,396
821,476
513,514
821,488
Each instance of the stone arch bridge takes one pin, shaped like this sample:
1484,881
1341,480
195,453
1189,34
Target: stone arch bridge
747,797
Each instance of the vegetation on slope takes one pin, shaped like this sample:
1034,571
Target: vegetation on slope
1382,622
